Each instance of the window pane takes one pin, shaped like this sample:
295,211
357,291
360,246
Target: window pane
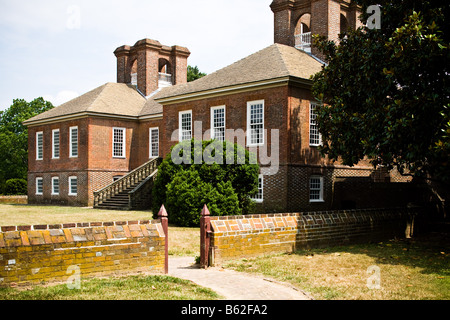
39,186
219,124
55,185
186,126
259,195
257,124
74,142
39,145
56,144
73,185
154,142
314,135
118,144
315,188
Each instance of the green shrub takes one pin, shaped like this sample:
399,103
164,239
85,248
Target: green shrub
185,188
16,187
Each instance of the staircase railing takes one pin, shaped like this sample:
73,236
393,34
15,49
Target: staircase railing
131,179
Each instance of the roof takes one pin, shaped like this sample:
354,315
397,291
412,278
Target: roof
109,99
273,62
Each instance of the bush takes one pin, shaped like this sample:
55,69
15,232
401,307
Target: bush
185,188
16,187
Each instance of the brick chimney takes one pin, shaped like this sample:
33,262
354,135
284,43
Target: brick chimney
150,66
295,21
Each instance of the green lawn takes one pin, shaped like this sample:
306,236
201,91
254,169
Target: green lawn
125,288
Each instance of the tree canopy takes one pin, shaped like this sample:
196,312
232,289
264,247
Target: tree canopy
224,182
385,92
14,137
193,73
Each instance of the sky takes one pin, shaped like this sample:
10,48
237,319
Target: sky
59,49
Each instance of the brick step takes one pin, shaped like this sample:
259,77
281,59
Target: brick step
108,206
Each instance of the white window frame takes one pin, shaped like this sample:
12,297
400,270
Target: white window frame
249,124
315,138
180,125
124,142
54,146
71,143
70,186
39,193
259,198
213,127
321,186
53,186
41,134
150,132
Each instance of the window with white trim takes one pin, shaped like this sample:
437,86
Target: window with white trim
315,138
73,186
39,145
185,125
73,142
259,196
55,185
39,186
119,138
154,142
218,121
255,123
55,144
316,189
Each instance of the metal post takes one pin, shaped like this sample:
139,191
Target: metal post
205,228
162,214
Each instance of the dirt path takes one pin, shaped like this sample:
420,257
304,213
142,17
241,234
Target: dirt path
234,285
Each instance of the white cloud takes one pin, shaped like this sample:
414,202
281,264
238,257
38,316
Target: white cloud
61,97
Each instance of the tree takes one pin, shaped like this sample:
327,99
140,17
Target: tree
193,73
385,92
224,185
14,137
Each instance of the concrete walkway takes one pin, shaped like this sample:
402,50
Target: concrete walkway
233,285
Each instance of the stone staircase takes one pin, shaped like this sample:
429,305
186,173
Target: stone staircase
131,192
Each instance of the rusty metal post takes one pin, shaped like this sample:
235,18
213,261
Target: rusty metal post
205,228
162,214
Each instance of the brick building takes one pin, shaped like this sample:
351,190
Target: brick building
78,150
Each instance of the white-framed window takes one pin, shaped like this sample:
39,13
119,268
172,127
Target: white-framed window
259,196
255,123
316,189
315,138
39,186
73,142
185,125
73,186
55,144
154,142
55,186
119,141
39,145
218,123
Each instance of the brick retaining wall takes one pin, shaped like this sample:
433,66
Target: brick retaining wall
236,237
50,253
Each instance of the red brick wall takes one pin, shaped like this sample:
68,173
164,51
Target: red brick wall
50,253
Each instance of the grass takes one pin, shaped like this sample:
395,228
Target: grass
19,214
418,270
125,288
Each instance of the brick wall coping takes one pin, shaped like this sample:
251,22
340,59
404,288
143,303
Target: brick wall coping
233,225
74,225
312,213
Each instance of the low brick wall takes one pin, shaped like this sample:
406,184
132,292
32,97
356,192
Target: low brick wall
14,199
50,253
236,237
